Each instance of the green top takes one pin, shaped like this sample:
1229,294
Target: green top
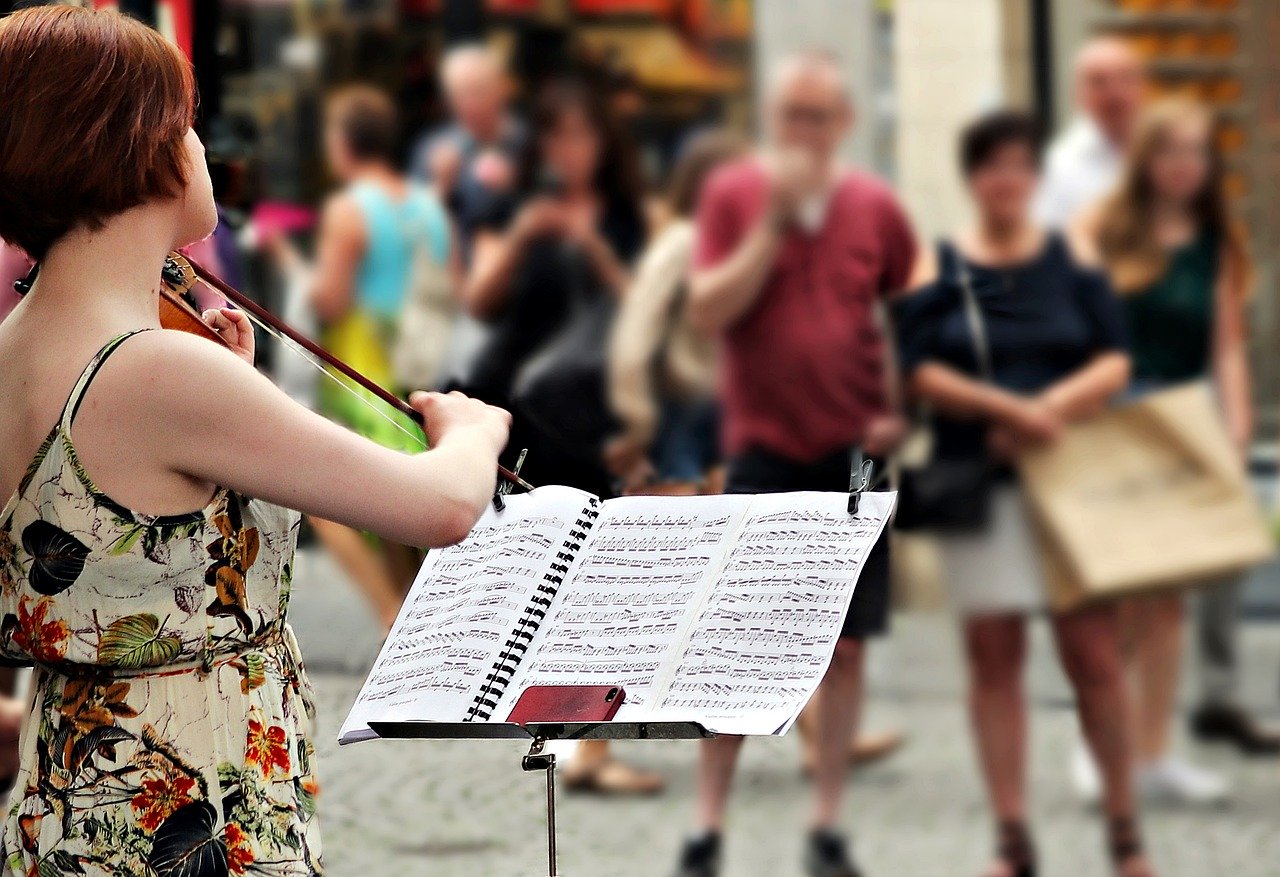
1171,321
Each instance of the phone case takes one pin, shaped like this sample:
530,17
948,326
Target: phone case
543,704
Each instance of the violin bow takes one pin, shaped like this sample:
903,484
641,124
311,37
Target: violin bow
258,311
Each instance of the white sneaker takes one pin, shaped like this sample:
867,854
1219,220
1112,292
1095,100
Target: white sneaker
1085,776
1174,781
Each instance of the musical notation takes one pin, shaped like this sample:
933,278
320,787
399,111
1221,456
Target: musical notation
625,607
763,638
722,610
462,609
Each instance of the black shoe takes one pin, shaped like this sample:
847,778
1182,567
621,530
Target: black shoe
700,856
1231,724
827,856
1015,849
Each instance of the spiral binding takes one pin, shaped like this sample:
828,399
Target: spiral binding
495,684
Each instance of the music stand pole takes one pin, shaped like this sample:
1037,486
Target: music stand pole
534,761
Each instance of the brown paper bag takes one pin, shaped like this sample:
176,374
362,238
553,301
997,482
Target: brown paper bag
1148,496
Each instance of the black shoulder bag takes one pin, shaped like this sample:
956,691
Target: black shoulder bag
952,495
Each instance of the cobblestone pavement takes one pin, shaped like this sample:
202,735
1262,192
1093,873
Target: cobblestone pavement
464,808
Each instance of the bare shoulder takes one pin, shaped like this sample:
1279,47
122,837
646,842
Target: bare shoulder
923,272
168,372
1082,236
341,215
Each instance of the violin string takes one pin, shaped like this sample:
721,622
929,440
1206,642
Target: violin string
376,406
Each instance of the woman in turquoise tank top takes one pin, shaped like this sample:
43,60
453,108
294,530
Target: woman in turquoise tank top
373,234
1180,263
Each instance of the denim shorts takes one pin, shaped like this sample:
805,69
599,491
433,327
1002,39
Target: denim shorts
759,471
688,443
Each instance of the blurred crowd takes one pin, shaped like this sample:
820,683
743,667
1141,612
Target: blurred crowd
761,312
747,321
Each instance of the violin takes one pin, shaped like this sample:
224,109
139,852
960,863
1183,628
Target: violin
179,310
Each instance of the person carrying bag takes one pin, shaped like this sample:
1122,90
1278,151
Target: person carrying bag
946,493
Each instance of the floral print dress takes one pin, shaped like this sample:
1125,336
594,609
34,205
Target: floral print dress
170,730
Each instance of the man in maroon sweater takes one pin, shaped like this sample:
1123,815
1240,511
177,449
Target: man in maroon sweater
793,254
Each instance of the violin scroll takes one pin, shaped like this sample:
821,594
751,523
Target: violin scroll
178,308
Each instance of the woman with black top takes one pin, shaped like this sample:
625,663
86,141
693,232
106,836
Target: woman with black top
1046,337
561,243
558,251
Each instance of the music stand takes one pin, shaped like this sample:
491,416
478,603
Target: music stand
539,733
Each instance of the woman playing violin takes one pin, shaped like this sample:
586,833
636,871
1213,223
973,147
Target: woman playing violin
146,537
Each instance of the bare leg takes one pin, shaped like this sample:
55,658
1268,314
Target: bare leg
1088,645
402,563
593,768
835,708
1154,658
363,564
996,647
716,764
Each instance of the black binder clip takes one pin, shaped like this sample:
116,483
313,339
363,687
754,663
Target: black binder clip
859,480
504,486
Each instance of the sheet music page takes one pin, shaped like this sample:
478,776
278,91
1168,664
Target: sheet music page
462,607
622,610
765,632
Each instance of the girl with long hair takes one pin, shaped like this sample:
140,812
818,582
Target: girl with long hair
1180,262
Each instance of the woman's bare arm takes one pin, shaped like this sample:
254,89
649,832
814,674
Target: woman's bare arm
1230,355
965,398
1085,392
496,255
340,247
198,411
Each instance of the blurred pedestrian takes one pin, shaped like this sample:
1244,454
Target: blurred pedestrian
370,234
1008,338
560,245
1085,161
474,158
1084,165
793,253
472,161
1180,261
661,370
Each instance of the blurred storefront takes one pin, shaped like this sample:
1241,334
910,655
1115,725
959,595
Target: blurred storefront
264,65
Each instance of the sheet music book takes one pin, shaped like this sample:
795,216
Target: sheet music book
722,610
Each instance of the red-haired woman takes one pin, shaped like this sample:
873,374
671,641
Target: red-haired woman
146,540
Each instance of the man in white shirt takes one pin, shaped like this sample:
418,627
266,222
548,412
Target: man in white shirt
1085,161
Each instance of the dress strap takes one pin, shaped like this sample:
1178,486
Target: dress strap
90,372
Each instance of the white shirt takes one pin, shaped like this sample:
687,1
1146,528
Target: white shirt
1081,168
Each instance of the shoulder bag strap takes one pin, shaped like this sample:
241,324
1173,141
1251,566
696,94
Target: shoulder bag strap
973,316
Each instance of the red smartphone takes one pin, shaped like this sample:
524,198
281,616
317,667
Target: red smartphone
556,704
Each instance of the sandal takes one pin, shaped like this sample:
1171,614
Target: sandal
1015,850
1124,844
609,776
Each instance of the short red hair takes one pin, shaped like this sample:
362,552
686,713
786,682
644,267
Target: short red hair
94,107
